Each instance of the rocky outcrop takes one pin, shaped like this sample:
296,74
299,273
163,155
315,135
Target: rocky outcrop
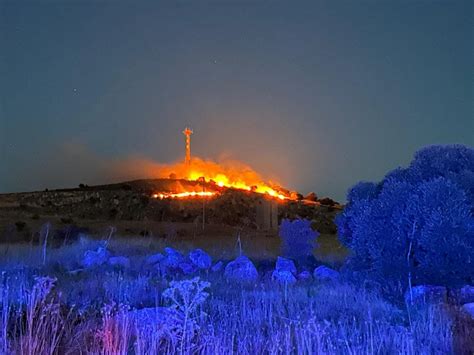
283,277
95,258
324,273
173,258
284,264
217,266
304,276
200,259
154,259
119,261
468,310
285,271
466,294
241,270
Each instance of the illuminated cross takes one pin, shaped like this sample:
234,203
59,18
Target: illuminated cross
187,132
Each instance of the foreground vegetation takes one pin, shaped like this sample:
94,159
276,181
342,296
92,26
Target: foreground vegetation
56,309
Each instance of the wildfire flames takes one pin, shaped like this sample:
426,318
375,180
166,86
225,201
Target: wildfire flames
185,194
216,176
230,174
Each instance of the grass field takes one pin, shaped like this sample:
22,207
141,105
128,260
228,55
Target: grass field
53,308
52,305
219,240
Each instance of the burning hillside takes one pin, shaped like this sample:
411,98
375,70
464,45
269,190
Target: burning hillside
209,173
230,175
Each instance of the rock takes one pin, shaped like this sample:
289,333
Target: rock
327,201
265,265
285,271
187,268
200,259
283,277
308,262
283,264
120,261
468,310
304,276
154,259
173,258
217,266
324,273
311,197
241,270
466,294
426,293
94,258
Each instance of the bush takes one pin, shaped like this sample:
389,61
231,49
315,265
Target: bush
417,224
298,239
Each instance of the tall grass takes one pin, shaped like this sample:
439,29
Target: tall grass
97,312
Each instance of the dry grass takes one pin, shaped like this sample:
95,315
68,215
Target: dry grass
221,242
88,313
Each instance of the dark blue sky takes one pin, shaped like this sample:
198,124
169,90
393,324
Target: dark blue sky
315,94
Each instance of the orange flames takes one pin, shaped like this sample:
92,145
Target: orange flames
185,194
230,174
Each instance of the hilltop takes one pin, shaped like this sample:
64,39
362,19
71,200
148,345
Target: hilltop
131,208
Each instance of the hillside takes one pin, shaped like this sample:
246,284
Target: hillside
133,201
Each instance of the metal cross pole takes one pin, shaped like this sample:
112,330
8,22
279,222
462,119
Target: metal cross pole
187,132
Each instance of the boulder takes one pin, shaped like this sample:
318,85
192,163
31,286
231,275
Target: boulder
308,262
468,310
154,259
217,266
173,258
304,276
283,277
119,261
265,266
466,294
200,259
326,201
283,264
311,197
187,268
324,273
94,258
426,293
241,270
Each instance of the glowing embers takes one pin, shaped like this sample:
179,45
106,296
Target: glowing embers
236,182
189,194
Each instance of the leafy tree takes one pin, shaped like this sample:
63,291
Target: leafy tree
417,224
298,239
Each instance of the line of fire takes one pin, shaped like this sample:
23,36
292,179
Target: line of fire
212,181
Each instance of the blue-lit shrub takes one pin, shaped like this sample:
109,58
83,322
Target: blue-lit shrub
298,239
417,224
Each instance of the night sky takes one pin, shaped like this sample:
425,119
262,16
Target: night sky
315,95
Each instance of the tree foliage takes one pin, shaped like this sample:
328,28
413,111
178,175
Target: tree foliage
417,223
298,239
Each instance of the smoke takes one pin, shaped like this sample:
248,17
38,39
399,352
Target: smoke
228,172
74,164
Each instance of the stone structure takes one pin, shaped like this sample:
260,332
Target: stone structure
267,215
